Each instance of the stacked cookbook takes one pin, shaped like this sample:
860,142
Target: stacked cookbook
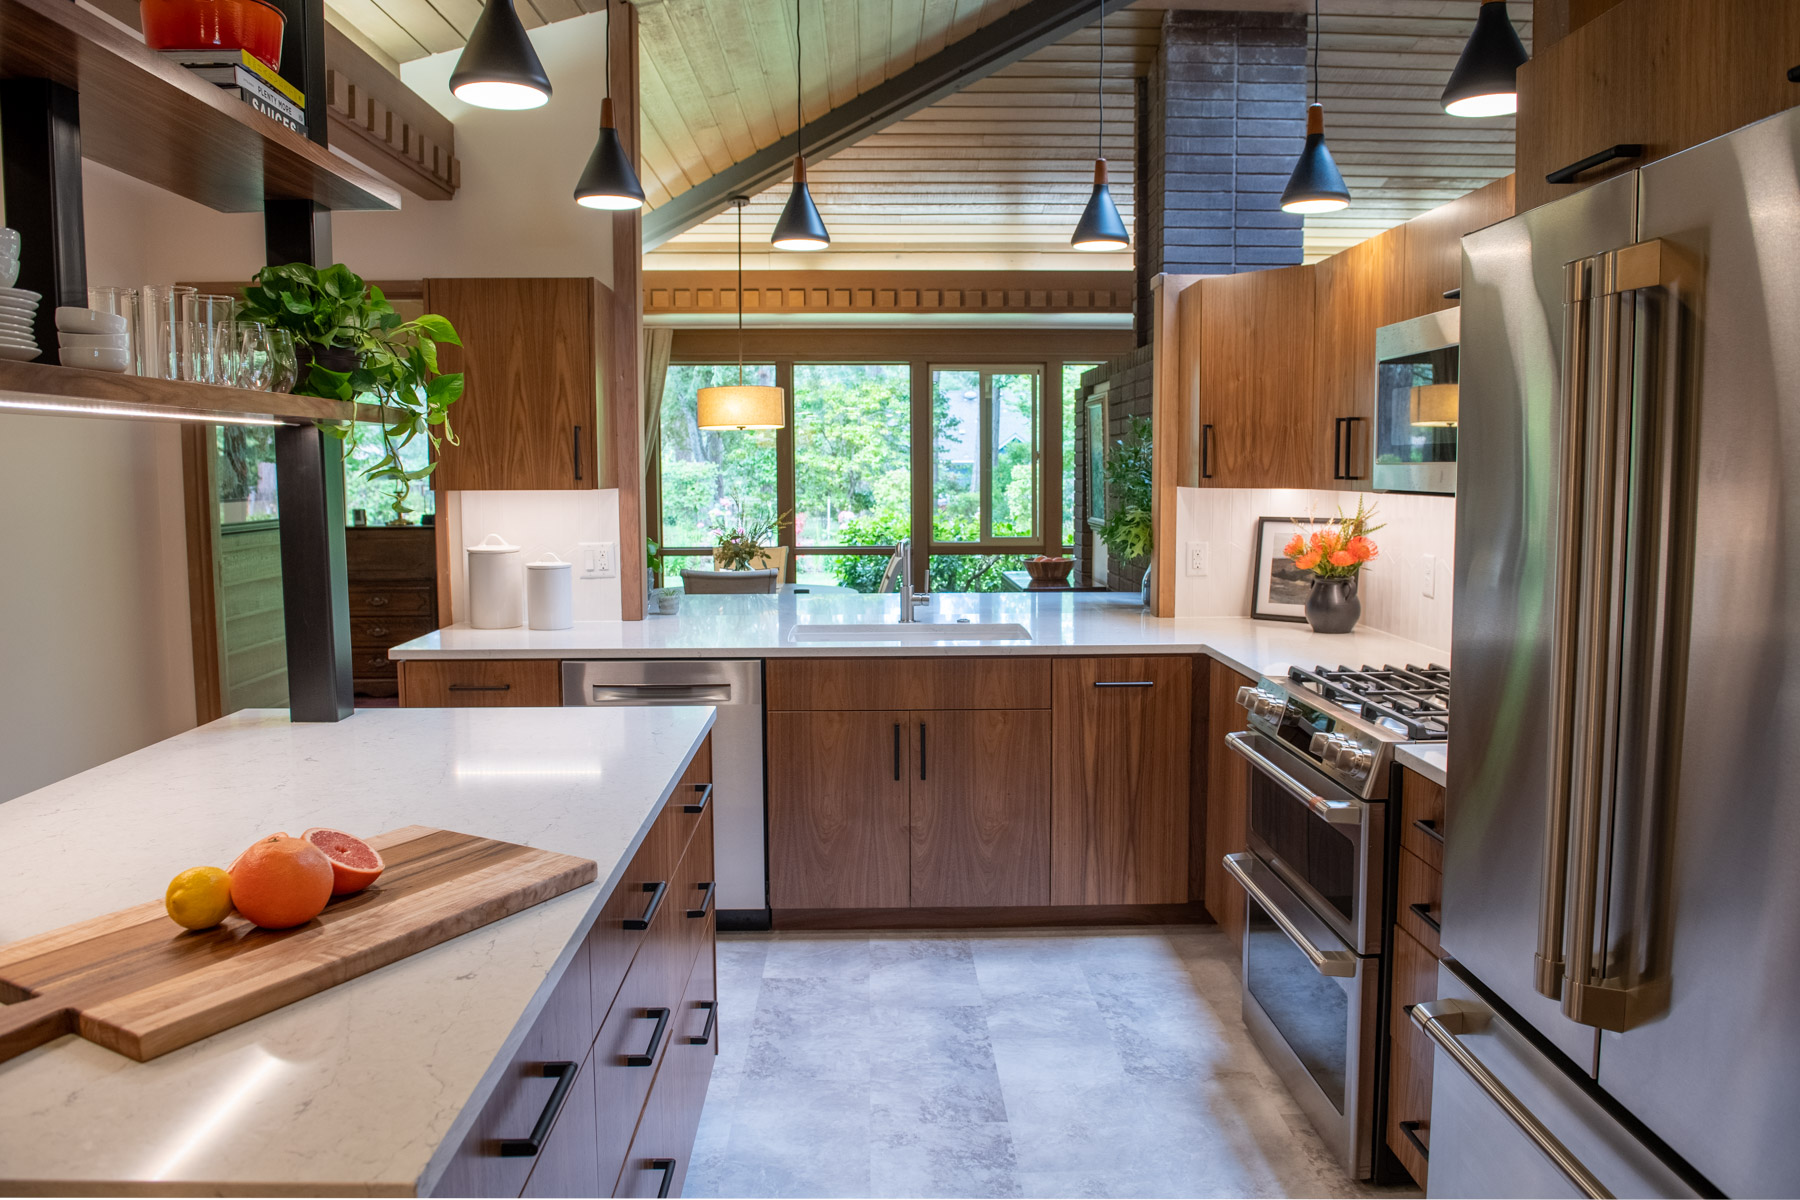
250,79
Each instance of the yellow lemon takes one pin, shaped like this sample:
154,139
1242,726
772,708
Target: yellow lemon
199,897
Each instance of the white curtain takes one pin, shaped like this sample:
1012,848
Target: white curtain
658,340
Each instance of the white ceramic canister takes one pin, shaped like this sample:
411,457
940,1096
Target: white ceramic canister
550,593
496,585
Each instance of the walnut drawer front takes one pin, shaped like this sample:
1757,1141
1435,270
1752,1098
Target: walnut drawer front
1419,893
380,632
1409,1098
374,599
481,683
636,904
850,684
657,1162
1422,817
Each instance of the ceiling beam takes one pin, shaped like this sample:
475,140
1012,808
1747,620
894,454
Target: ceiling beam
1029,27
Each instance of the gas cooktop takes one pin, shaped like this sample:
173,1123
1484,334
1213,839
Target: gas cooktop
1413,701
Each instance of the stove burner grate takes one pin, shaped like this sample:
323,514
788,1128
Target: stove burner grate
1412,699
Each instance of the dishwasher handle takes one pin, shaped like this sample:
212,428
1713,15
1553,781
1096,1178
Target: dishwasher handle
651,694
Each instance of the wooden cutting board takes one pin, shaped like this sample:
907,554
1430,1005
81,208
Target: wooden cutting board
135,982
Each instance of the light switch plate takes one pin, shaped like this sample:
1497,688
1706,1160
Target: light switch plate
1429,571
589,555
1198,557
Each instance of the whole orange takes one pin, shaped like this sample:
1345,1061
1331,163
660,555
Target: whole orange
281,882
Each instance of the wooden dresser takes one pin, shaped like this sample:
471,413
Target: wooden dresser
393,598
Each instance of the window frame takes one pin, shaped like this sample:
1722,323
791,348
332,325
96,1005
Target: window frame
984,457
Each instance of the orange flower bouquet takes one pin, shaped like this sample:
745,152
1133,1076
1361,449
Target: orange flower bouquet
1340,548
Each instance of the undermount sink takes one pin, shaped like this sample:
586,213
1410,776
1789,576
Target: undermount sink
918,631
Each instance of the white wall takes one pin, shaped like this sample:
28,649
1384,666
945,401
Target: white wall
1392,588
535,522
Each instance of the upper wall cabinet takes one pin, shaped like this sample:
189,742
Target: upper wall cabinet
1432,247
532,354
1665,74
1356,292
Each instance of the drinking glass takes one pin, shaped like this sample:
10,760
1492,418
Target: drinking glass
161,311
121,302
212,352
285,364
255,359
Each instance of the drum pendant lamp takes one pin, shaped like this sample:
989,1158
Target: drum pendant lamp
498,68
608,180
1100,227
740,405
1316,186
800,227
1484,82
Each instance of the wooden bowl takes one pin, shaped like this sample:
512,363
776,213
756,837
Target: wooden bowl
1054,570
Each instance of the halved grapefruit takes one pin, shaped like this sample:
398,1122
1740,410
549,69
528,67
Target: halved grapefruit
354,863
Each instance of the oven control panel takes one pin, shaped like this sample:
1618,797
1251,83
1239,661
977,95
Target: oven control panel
1333,741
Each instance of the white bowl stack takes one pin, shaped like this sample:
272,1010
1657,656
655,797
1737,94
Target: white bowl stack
18,307
99,341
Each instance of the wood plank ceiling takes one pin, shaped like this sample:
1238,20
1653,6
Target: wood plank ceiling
998,170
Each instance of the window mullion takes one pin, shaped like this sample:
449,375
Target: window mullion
784,466
984,487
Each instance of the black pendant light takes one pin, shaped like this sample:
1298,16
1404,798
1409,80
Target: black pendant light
800,227
608,180
1100,227
499,68
1485,80
1316,186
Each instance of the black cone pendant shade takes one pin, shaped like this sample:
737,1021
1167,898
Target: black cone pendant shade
1316,186
1484,81
800,227
1100,227
608,180
499,68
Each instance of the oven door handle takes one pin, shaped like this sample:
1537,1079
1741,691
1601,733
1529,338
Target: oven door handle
1337,812
1339,964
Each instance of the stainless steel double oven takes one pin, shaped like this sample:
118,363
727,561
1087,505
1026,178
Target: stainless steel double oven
1316,882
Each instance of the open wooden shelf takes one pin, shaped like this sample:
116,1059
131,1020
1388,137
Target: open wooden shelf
46,382
157,122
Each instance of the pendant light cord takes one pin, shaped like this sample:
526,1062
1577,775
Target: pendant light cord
1100,86
799,83
740,289
1315,50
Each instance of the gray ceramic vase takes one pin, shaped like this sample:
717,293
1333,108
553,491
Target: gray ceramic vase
1332,606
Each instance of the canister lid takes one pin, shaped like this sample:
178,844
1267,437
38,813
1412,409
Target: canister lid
493,543
548,563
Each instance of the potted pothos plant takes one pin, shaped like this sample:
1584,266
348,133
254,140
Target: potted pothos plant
1127,530
352,345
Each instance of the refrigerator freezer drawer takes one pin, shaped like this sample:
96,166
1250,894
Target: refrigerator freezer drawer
1509,1120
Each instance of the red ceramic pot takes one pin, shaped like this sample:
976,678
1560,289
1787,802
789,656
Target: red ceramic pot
215,25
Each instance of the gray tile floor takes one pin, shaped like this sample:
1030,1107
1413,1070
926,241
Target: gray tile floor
1096,1063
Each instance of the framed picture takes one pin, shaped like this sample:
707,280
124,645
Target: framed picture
1096,419
1278,588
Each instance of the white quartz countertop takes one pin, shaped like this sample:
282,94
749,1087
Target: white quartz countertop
1430,759
1059,623
367,1087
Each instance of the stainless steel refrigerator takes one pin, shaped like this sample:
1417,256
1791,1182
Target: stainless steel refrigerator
1622,869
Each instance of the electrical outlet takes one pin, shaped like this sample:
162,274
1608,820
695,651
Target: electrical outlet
605,562
1197,558
1429,571
589,555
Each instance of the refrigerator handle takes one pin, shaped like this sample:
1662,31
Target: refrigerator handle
1442,1021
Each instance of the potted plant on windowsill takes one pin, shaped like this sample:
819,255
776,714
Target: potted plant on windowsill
749,546
352,345
1334,556
1127,531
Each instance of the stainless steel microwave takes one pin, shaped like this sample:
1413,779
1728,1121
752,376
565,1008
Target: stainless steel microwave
1416,395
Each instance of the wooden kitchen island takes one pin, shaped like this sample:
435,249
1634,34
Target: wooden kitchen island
564,1050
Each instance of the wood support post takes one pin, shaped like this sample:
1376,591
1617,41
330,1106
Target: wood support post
40,129
624,424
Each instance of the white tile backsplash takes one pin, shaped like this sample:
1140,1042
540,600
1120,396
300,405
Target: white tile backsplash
535,522
1392,588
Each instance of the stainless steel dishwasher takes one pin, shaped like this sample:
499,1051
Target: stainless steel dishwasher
734,687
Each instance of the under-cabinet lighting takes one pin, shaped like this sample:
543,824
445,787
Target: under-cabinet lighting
20,402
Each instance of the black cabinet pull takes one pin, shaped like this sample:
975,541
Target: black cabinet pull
709,887
649,1056
1794,74
1337,448
1454,293
1343,449
667,1167
1410,1130
578,454
699,806
1124,683
481,687
660,887
1624,150
527,1147
1206,434
921,749
1429,829
896,752
712,1017
1424,914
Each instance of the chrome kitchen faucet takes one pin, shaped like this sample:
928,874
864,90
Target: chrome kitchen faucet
899,569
